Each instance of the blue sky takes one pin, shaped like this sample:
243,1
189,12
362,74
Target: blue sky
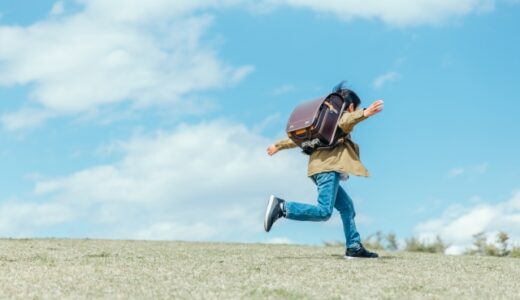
150,121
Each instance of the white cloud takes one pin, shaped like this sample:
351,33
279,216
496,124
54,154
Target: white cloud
178,231
145,53
456,172
25,118
197,182
458,224
151,52
481,169
279,240
283,89
478,169
18,218
381,80
395,12
57,9
267,122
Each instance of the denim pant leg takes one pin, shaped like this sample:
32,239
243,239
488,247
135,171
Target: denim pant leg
328,183
345,206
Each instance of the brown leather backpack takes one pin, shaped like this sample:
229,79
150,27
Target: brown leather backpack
313,125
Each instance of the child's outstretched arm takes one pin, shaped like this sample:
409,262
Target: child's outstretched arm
281,145
350,119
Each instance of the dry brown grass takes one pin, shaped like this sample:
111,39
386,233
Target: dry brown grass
57,269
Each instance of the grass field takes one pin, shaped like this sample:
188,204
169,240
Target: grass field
57,269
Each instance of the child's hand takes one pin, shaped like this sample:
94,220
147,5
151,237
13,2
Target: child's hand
271,150
374,108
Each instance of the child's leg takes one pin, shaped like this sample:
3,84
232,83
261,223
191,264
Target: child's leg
345,206
328,183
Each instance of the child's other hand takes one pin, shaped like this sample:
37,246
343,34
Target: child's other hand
374,108
271,150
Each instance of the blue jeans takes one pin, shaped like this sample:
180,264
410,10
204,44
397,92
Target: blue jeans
330,195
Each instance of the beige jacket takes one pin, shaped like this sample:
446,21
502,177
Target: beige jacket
343,158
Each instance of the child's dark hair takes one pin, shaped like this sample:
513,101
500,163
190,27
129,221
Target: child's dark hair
347,94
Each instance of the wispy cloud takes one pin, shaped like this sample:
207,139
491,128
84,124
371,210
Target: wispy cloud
398,13
58,8
478,169
384,79
25,118
283,89
481,168
456,172
268,121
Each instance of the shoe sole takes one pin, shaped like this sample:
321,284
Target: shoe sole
354,258
267,212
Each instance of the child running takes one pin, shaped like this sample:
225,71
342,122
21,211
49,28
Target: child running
326,168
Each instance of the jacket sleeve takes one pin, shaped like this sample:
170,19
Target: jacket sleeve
285,144
349,120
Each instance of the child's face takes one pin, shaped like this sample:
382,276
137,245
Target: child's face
351,108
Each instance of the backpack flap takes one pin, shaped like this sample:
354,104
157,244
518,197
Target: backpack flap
313,124
304,115
302,119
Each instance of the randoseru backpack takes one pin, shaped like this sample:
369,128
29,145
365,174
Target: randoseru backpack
313,125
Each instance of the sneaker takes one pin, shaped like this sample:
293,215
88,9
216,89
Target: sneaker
360,252
273,212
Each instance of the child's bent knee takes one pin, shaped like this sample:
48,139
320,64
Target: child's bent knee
325,215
